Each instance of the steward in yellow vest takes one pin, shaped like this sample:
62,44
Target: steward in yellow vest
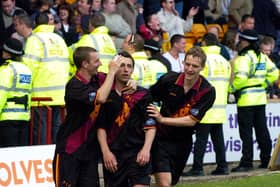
15,96
217,71
146,72
98,39
46,54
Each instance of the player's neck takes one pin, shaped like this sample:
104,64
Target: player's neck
188,84
119,86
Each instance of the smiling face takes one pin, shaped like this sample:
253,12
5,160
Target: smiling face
192,67
92,63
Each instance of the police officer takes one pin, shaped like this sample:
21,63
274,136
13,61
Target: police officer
217,71
253,72
15,94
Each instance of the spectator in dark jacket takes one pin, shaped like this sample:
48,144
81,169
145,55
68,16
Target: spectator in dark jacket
266,17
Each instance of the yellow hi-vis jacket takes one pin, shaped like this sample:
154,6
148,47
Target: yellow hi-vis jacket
15,91
100,40
252,74
217,71
145,73
46,54
158,69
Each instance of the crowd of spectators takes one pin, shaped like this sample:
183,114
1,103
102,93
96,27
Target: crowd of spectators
142,28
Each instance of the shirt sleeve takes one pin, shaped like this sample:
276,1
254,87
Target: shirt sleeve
149,121
205,102
158,90
101,120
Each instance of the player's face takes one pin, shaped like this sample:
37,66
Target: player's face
192,67
93,63
125,70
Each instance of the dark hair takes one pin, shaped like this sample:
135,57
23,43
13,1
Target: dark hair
210,39
40,3
176,38
127,55
97,19
19,12
68,8
196,51
42,18
136,41
229,39
162,1
81,54
245,17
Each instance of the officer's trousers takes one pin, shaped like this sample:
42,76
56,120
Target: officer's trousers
248,118
202,132
14,133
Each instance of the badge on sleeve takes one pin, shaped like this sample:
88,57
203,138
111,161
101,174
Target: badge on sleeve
91,96
150,122
194,111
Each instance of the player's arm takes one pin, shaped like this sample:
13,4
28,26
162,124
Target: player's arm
143,157
105,88
109,159
188,120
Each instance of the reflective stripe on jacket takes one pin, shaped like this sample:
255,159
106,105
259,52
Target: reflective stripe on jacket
100,40
46,54
252,74
15,91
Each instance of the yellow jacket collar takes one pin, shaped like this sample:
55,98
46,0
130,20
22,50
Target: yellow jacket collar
214,49
44,28
99,30
139,55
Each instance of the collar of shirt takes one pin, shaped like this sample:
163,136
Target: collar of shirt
181,78
81,78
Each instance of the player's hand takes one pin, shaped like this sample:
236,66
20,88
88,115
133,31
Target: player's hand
130,87
115,64
143,157
153,111
110,162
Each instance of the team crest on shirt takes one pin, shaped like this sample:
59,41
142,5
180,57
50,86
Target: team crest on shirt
194,111
91,96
